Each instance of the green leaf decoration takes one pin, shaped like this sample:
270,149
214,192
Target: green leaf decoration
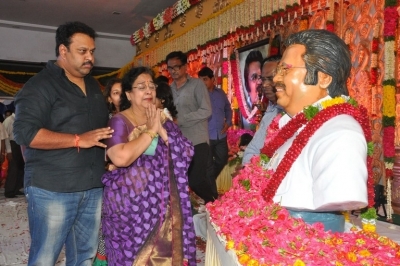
371,147
264,158
388,121
310,112
246,184
390,81
353,102
369,213
388,159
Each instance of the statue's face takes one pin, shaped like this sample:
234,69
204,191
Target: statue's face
293,95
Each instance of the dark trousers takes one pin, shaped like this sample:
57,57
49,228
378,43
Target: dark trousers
199,180
219,156
15,175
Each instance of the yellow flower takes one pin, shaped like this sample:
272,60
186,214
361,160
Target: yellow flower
225,84
384,240
338,241
369,227
346,215
364,253
252,262
244,258
352,257
299,262
360,242
235,104
338,263
331,102
389,101
230,244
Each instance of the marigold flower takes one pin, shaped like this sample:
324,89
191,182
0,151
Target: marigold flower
299,262
252,262
244,258
369,227
351,256
364,253
230,245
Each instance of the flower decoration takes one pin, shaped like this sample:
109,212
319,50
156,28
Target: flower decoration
158,22
389,94
236,158
263,233
162,20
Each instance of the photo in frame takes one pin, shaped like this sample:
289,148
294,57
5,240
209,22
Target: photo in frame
249,65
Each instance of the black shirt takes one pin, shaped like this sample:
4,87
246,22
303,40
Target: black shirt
49,100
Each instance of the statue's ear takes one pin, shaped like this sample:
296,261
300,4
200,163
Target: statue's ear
324,80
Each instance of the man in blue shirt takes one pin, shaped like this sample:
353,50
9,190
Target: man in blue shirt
268,67
218,123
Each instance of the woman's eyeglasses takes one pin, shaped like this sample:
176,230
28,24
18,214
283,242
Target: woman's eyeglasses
142,86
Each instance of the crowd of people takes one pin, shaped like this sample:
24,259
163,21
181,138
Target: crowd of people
121,162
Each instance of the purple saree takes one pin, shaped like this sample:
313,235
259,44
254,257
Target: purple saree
147,217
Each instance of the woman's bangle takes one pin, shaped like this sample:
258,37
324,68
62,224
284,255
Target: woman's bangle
152,134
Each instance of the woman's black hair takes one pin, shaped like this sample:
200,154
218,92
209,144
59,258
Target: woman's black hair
107,93
164,93
127,82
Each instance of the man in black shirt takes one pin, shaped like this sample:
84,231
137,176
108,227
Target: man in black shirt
61,117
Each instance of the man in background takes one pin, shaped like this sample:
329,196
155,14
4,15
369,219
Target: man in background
16,164
60,118
194,108
218,123
268,68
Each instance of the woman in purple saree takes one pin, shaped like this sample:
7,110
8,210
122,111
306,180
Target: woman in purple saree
147,216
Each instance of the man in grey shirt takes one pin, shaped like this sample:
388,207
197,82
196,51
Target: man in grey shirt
267,74
194,108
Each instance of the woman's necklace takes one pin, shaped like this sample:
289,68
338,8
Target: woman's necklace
133,118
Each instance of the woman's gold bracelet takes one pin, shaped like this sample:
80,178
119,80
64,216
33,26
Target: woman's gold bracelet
152,134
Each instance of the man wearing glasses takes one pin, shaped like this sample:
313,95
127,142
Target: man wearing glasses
192,101
268,89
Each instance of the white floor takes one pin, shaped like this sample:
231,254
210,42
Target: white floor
15,239
14,234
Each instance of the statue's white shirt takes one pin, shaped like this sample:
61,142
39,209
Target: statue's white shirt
330,174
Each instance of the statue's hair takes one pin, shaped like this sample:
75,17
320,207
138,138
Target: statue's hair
327,53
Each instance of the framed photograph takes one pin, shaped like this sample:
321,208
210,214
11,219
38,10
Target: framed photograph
248,92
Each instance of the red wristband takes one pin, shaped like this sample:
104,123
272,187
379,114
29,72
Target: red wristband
77,141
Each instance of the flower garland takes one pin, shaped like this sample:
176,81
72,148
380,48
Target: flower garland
389,94
233,139
162,19
267,235
313,118
273,129
247,114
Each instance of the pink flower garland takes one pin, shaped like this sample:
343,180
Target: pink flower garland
239,89
388,142
390,21
360,114
265,234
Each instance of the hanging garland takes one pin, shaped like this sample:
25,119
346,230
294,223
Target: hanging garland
389,95
162,19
